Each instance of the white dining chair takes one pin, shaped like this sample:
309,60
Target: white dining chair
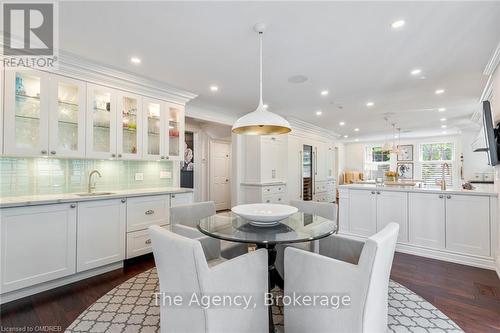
365,281
184,220
323,209
183,270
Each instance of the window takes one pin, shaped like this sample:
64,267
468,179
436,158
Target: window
380,155
432,158
377,162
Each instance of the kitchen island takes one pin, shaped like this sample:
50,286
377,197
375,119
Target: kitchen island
453,225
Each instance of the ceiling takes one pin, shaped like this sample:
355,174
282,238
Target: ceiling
348,48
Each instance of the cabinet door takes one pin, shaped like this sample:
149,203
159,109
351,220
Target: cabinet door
426,212
101,122
38,244
273,155
26,113
330,162
393,207
468,224
362,212
178,199
155,138
175,138
101,233
294,168
129,128
321,168
67,117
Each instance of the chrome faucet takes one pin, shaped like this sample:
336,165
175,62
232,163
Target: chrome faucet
443,180
91,187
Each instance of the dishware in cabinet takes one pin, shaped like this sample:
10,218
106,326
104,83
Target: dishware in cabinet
66,117
101,122
129,128
175,128
26,118
155,133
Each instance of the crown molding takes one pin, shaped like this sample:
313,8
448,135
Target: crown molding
493,62
308,128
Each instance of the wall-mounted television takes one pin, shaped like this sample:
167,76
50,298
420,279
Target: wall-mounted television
491,135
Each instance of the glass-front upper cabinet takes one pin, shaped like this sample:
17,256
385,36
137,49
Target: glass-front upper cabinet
129,113
175,131
66,117
101,122
155,134
26,113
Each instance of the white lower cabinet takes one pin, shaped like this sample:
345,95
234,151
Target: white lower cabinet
393,207
468,224
138,243
101,233
143,212
363,212
178,199
426,219
38,244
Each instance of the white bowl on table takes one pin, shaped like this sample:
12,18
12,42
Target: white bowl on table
264,214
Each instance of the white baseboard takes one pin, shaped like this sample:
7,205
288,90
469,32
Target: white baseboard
28,291
445,255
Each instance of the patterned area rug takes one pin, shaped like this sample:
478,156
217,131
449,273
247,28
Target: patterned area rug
130,308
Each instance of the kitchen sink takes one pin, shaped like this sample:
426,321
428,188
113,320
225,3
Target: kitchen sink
93,194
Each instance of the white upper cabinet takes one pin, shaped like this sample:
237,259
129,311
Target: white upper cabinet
154,142
468,224
129,129
175,127
101,122
26,116
66,117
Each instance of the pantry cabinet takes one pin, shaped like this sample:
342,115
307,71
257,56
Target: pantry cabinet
101,233
38,244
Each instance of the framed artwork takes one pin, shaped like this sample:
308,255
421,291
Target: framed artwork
405,153
405,170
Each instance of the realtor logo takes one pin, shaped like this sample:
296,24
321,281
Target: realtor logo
29,34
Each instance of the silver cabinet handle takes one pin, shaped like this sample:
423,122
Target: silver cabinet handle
279,199
268,201
72,206
119,155
44,152
148,241
173,195
373,192
162,157
113,155
378,192
124,200
149,212
167,157
441,196
53,152
448,196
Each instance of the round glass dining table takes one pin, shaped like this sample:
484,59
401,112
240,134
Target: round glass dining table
297,228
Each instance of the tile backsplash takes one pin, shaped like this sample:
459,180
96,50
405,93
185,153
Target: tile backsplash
26,176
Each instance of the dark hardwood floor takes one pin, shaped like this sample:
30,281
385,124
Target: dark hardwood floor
469,296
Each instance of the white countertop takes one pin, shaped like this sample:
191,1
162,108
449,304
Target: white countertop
31,200
483,190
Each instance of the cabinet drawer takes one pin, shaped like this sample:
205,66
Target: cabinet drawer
275,198
138,243
178,199
274,189
143,212
321,187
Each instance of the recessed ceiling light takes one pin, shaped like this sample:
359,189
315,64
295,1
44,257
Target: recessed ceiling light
398,24
442,119
324,92
442,109
356,129
443,132
346,136
416,71
370,104
319,113
439,91
265,106
342,123
443,126
135,60
356,140
214,88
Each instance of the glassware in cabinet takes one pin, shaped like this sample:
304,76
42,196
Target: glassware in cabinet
154,129
175,131
26,112
129,139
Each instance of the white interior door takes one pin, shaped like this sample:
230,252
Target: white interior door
220,174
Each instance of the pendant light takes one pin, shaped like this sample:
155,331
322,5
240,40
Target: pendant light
261,121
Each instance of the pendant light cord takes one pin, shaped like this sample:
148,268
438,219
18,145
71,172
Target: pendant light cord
260,42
